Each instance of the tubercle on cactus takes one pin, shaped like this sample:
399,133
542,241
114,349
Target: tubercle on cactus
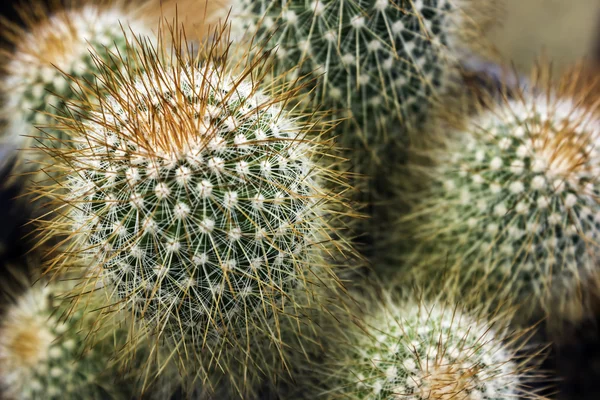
511,205
421,349
193,197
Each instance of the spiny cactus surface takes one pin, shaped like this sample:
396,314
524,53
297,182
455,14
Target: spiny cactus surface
200,230
379,60
199,202
56,43
417,351
512,205
44,357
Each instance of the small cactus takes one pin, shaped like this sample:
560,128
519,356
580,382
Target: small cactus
53,44
511,202
420,351
43,356
197,199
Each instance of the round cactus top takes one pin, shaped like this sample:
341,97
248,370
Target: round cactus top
52,50
422,352
64,39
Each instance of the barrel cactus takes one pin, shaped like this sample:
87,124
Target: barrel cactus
511,203
55,43
43,356
410,350
197,199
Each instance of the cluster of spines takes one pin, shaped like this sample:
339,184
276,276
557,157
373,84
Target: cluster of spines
196,200
511,202
423,352
398,347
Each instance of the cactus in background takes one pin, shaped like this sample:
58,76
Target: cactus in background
423,351
376,61
43,356
198,200
55,43
382,66
511,202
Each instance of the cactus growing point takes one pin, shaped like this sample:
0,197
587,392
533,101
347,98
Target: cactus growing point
407,349
43,356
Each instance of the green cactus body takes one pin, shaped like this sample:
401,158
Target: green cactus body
42,357
511,206
196,198
204,233
420,352
378,60
200,206
35,84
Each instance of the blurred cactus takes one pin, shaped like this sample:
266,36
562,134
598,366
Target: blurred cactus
54,45
375,61
511,202
43,356
404,349
198,200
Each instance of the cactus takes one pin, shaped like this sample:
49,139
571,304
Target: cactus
510,204
376,61
44,357
404,349
55,43
197,199
381,66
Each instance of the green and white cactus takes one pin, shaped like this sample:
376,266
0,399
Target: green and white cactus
376,61
43,356
511,203
198,200
420,351
56,43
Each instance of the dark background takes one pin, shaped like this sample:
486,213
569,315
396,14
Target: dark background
7,9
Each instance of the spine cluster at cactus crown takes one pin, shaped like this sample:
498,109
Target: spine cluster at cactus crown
197,199
511,203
